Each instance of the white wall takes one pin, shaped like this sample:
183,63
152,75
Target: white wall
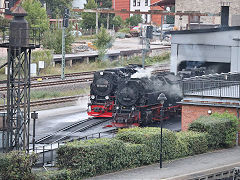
78,4
142,8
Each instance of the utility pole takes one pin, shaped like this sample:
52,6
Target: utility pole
96,22
65,25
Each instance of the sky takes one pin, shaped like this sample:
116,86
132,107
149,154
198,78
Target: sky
79,3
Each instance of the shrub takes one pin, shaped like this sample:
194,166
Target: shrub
17,165
43,55
221,129
97,156
172,148
55,175
195,142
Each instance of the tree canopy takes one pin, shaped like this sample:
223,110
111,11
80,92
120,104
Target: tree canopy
57,6
37,15
89,19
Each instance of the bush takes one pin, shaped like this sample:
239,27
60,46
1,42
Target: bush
55,175
195,142
172,148
221,129
98,156
17,165
43,55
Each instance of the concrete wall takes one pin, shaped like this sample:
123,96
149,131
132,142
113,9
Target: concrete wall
190,113
207,47
204,6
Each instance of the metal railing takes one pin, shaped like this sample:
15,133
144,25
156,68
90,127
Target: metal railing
47,153
225,85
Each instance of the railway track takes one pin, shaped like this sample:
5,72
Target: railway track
70,132
72,81
49,101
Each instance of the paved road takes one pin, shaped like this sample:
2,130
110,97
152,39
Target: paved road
179,169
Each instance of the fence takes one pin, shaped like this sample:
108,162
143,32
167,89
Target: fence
48,153
225,85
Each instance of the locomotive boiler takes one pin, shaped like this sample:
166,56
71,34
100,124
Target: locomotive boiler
137,99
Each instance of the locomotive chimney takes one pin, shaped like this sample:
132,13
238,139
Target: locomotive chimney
19,30
225,14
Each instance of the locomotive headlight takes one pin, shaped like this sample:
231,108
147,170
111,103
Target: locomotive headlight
133,108
117,107
92,97
107,97
101,73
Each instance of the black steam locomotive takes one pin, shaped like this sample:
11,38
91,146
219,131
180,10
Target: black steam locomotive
138,102
103,88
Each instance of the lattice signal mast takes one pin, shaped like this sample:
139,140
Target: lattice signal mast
19,40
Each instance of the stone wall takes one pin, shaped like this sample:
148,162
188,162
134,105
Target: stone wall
204,6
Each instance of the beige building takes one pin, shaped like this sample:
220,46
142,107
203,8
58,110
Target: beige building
206,6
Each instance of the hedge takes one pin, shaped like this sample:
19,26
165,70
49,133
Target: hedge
221,129
98,156
17,165
195,142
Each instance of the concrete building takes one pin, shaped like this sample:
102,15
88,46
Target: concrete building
218,49
206,6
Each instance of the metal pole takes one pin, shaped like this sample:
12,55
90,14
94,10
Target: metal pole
143,52
63,53
161,139
108,21
161,37
34,126
96,22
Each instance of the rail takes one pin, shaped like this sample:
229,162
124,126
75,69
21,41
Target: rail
226,85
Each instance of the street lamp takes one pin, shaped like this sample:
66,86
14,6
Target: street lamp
34,116
161,98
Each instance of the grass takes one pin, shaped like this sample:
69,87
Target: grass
40,95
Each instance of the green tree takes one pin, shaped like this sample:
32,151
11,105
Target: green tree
89,19
118,21
57,6
134,20
103,16
103,42
53,40
37,15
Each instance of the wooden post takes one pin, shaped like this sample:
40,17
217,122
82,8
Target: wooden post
96,22
108,21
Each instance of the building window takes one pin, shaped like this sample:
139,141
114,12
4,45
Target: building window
194,19
6,4
138,2
146,2
134,2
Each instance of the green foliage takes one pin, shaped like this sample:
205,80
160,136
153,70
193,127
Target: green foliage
57,6
195,142
221,129
124,30
103,42
37,15
157,59
55,175
134,20
98,156
53,40
42,55
17,165
89,19
118,22
4,22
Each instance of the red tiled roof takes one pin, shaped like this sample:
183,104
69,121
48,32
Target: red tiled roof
164,3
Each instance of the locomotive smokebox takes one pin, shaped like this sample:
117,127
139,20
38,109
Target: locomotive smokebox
19,30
